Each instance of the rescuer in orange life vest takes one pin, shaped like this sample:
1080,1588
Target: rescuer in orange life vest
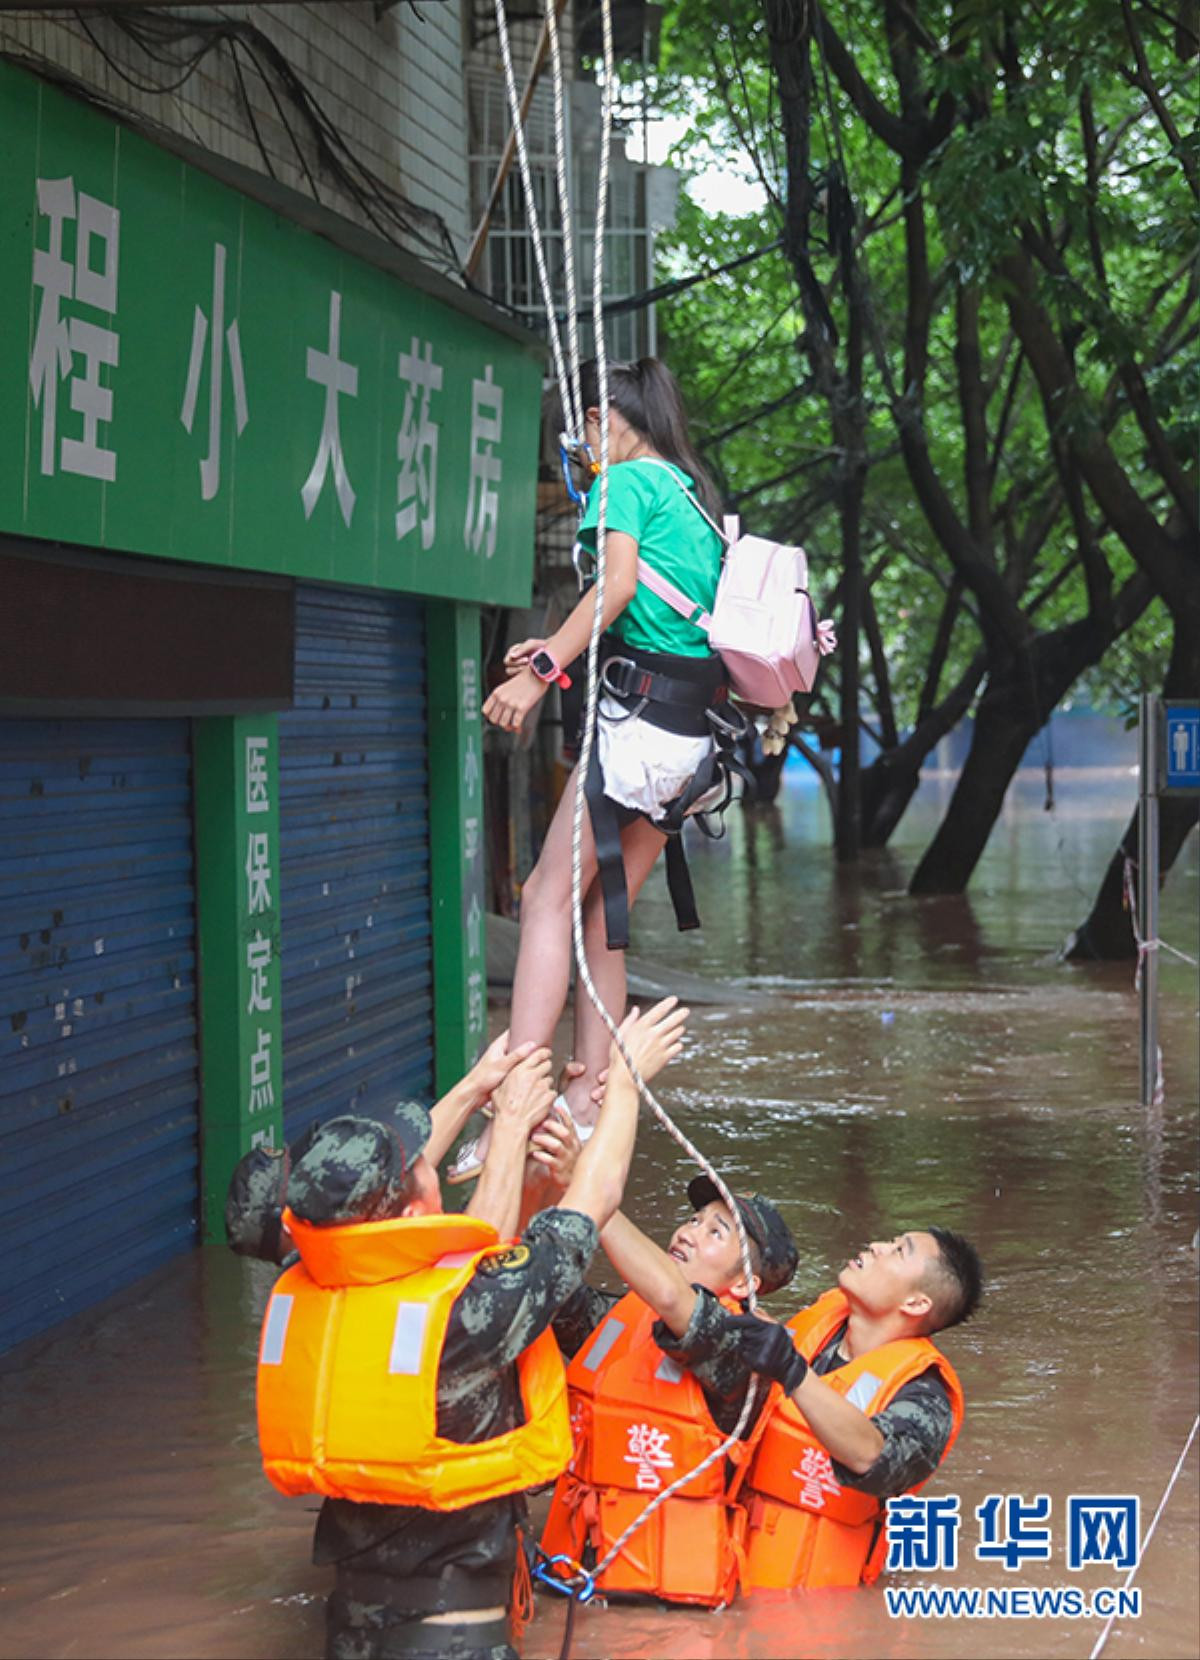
804,1504
407,1370
871,1409
656,1384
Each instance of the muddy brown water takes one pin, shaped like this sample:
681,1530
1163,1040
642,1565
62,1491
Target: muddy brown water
925,1061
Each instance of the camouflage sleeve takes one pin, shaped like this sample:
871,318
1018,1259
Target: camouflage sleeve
915,1429
579,1316
708,1348
514,1296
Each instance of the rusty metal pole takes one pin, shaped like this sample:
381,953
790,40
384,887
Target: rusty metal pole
479,240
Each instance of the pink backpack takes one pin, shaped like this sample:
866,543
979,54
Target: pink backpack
763,624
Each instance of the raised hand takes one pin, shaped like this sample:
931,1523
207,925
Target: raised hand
767,1348
525,1095
494,1065
652,1039
554,1146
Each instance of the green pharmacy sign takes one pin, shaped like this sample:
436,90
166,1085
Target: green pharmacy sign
187,374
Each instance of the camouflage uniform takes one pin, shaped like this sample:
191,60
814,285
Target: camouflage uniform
377,1548
709,1347
397,1563
916,1425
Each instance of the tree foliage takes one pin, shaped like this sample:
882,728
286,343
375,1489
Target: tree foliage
1001,199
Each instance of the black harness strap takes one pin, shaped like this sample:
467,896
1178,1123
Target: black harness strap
692,700
606,831
679,886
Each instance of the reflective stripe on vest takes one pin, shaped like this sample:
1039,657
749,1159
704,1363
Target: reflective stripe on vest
408,1337
640,1422
806,1529
347,1378
279,1312
602,1343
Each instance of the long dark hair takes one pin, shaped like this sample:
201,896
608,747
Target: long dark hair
648,396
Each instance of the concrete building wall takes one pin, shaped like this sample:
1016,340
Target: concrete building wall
393,87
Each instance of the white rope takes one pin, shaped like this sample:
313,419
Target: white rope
1162,1505
571,394
1146,946
531,208
589,738
573,411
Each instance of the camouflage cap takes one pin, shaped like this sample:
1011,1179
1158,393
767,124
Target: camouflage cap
255,1201
762,1221
356,1169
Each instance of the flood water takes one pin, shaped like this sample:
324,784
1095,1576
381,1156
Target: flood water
917,1062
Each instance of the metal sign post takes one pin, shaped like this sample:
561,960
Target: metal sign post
1149,712
1168,764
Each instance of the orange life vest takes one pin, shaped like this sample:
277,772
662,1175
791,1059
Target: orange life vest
640,1421
348,1369
805,1528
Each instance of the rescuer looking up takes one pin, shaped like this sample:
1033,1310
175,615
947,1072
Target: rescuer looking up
407,1370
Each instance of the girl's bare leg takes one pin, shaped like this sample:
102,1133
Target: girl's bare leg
641,845
543,969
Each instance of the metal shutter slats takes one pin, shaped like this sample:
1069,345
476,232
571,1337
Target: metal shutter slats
354,833
99,1090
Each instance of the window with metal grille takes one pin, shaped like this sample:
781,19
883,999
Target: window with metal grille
508,272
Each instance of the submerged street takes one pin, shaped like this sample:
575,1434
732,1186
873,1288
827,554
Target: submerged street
915,1062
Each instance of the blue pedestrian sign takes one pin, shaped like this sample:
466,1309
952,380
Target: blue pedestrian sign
1182,771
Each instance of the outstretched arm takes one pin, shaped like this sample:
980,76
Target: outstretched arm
520,1102
845,1432
450,1113
647,1269
598,1182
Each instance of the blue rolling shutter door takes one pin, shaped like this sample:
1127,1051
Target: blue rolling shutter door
99,1091
354,834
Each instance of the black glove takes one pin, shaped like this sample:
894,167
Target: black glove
769,1350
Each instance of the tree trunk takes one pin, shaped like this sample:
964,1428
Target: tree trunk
892,779
1005,722
1106,934
1017,703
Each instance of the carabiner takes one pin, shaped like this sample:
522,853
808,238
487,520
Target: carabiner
580,1584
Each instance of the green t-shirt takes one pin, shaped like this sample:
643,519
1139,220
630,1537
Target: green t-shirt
645,503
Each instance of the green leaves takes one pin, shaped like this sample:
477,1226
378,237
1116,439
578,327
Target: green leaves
1054,157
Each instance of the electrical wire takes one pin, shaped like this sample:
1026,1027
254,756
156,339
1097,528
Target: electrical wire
159,38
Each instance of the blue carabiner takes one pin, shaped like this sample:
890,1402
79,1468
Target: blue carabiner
583,1592
568,478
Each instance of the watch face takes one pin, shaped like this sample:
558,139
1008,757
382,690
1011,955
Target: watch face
543,665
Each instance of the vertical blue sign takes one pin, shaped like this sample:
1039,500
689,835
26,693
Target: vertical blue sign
1182,770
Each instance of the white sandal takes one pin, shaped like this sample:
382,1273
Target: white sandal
470,1160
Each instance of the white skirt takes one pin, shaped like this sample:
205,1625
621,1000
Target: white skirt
644,767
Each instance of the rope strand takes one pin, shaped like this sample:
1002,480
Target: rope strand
1162,1505
570,389
531,208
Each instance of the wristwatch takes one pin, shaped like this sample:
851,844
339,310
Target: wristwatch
546,667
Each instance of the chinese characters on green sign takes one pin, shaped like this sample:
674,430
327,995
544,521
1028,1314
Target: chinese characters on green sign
195,377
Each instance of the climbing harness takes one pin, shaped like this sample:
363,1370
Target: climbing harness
689,697
570,393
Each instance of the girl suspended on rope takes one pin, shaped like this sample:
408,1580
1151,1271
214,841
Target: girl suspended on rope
665,729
